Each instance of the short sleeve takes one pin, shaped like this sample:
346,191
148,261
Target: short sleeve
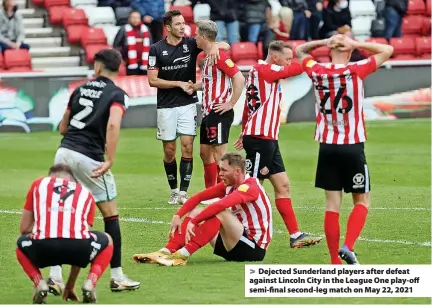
29,198
365,67
153,63
309,65
121,100
71,98
249,190
92,212
226,65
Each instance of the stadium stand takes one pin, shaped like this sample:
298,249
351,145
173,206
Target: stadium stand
66,33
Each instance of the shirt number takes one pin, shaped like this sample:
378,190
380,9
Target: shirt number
77,118
253,99
345,106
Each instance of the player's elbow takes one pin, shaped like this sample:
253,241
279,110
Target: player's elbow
152,82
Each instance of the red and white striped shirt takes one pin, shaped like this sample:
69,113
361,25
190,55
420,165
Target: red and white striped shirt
249,203
339,98
216,82
261,113
62,209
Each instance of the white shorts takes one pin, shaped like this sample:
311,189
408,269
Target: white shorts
177,121
102,188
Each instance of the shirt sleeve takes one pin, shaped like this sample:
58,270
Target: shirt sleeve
29,198
226,65
309,65
121,100
216,191
273,73
246,192
365,67
92,212
71,98
153,63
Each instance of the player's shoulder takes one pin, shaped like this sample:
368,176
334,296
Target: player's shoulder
159,44
249,185
36,182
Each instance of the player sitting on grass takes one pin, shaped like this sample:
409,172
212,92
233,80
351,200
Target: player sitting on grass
241,233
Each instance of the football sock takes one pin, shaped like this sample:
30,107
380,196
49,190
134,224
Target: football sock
56,273
332,233
112,227
356,222
186,167
210,174
218,178
178,240
100,263
31,270
204,233
171,173
165,250
284,206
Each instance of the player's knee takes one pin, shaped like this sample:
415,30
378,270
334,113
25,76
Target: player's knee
169,154
194,212
187,148
361,198
282,188
206,155
110,241
108,208
333,200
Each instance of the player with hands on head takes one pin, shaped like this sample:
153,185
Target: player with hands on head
341,132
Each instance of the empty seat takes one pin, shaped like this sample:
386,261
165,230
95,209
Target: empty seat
416,7
17,59
201,11
362,8
381,40
295,43
74,16
423,45
74,32
190,30
402,45
321,52
361,26
110,32
244,53
404,57
55,14
426,28
425,56
428,7
38,3
51,3
93,36
99,15
91,50
82,3
412,25
186,11
122,14
2,64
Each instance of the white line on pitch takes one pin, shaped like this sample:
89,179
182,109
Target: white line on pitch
151,221
299,208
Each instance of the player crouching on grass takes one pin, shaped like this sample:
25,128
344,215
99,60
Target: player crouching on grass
242,233
55,231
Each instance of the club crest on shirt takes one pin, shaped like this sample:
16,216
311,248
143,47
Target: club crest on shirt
229,63
152,61
185,48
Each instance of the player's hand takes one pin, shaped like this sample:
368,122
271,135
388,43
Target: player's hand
238,144
175,225
69,294
224,107
188,87
101,169
189,231
213,55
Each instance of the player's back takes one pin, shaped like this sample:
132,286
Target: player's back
62,209
89,107
339,100
256,216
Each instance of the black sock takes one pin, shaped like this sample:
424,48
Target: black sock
186,166
112,227
171,173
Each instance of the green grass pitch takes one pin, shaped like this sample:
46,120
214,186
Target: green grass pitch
398,228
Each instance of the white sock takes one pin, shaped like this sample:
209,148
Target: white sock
165,250
175,190
295,235
56,273
184,252
117,273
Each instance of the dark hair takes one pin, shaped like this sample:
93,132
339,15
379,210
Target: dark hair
61,168
110,58
134,11
235,160
168,17
278,46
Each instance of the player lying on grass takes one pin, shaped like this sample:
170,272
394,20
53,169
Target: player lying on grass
341,132
55,231
241,233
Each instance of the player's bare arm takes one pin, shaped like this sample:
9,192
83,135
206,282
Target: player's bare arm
382,51
157,82
27,221
305,49
112,137
238,81
69,291
64,122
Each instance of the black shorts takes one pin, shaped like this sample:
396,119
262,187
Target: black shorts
215,128
62,251
246,250
342,167
263,157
